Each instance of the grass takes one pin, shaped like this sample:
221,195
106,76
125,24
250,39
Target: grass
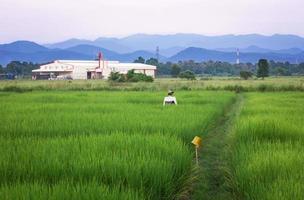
154,164
215,173
92,145
214,83
66,191
267,147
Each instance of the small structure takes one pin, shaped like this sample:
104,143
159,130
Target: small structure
82,69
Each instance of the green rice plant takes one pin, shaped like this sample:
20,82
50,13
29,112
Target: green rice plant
268,153
66,191
127,143
153,163
63,114
292,83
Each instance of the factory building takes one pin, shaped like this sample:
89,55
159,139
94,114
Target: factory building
81,69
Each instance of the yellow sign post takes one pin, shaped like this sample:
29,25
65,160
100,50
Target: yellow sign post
197,141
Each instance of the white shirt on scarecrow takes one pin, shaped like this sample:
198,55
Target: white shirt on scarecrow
170,99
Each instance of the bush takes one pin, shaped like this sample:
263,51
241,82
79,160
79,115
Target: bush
117,77
131,76
114,76
187,75
137,77
15,89
245,75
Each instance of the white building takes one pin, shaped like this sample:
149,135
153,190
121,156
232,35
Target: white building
81,69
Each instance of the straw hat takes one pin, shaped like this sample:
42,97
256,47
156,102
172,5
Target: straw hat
170,92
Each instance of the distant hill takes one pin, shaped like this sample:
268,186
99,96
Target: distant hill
113,44
150,42
93,51
68,43
171,51
39,57
256,49
105,43
252,49
200,54
22,47
132,56
32,52
289,51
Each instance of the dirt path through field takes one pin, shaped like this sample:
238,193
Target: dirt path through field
212,181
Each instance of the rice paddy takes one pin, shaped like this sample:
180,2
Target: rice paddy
101,145
291,83
66,144
268,153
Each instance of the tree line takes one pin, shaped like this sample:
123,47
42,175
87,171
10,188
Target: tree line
18,68
185,68
190,68
217,68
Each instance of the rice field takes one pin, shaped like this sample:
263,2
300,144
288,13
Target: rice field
101,145
126,145
291,83
267,147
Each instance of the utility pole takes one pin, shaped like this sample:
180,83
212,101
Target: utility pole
237,56
157,53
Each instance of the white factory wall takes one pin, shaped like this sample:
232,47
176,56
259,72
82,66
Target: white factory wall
106,73
79,69
79,73
148,72
151,73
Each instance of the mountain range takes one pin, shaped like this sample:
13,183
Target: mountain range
172,48
150,42
200,54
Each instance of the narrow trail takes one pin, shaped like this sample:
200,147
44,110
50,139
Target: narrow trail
213,167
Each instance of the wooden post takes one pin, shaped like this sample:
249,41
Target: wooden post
196,154
197,141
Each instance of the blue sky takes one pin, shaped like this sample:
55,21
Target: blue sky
56,20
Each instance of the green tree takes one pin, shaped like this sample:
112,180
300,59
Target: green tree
245,75
152,61
263,68
280,71
164,68
131,76
175,70
187,75
19,68
136,77
140,60
301,68
14,67
2,71
117,77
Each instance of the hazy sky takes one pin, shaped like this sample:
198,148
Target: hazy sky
56,20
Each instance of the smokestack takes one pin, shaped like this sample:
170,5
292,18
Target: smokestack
99,59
